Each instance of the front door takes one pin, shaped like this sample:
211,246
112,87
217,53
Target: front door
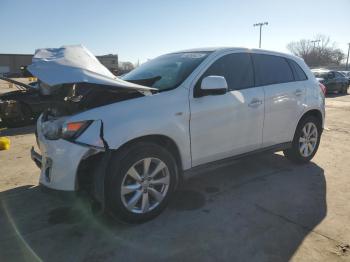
228,124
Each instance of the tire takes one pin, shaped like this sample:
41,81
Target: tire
121,179
298,153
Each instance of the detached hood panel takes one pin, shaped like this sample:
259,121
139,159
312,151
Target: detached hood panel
74,64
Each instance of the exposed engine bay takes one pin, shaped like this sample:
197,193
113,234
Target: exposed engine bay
70,80
85,96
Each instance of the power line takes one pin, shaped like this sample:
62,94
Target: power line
347,60
260,25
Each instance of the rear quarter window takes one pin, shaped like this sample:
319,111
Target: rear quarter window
271,69
298,72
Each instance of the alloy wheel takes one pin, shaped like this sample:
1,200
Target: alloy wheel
145,185
308,139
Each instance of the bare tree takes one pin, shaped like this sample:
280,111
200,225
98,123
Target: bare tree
319,52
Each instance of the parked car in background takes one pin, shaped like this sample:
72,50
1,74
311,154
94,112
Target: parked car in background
346,74
174,116
334,81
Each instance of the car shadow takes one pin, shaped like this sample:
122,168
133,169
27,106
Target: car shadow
257,209
17,131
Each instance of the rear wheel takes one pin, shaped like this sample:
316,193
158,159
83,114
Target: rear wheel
141,180
306,140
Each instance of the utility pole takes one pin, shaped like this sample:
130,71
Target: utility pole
260,25
347,60
314,42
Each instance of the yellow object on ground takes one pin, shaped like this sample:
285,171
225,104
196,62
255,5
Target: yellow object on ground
32,79
4,143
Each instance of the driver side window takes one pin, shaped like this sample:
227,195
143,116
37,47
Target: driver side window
237,69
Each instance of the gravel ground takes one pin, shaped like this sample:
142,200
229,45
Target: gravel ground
261,208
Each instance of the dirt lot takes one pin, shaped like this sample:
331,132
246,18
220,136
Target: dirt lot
261,208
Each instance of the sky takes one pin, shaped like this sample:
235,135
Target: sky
141,30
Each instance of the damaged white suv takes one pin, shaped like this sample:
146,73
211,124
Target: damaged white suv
129,141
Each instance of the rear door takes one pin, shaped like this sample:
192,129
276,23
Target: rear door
228,124
284,97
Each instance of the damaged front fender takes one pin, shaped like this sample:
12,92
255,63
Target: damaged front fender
95,167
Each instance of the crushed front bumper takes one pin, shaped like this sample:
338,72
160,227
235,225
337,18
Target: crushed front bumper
59,161
37,158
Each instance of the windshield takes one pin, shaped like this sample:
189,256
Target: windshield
167,71
321,74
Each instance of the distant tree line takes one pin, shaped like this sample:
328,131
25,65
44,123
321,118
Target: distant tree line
318,52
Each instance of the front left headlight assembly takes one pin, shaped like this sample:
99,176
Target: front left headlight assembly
51,129
57,129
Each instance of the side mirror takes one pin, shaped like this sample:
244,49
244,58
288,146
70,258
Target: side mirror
213,85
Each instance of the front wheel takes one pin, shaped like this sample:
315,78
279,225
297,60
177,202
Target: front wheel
306,140
141,179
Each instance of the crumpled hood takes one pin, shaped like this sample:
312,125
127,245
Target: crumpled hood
74,64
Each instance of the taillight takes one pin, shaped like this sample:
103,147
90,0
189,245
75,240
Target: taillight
323,88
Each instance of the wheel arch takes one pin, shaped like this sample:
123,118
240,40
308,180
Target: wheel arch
161,140
86,167
312,112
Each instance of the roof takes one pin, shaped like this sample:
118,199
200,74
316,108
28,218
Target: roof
223,49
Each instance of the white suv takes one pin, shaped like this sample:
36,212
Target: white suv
129,141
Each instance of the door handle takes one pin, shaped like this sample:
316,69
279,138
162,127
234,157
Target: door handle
298,92
255,102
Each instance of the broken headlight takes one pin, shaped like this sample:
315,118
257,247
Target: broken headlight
52,129
56,129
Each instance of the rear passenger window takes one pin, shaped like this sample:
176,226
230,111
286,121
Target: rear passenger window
271,69
236,68
299,74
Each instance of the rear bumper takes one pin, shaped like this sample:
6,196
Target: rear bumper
332,88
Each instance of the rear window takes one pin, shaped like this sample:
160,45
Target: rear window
299,74
270,69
